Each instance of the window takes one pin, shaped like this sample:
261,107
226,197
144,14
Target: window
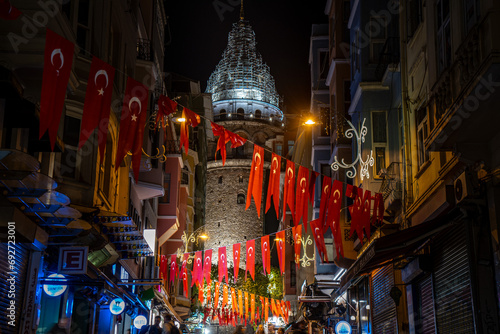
240,178
471,11
258,114
185,175
240,113
378,35
443,35
222,114
414,16
166,186
83,28
220,179
291,143
346,10
293,274
241,199
278,149
379,137
347,91
422,132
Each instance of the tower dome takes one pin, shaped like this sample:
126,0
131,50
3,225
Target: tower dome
242,78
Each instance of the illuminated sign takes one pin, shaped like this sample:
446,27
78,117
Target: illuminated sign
140,321
343,327
73,260
117,306
52,289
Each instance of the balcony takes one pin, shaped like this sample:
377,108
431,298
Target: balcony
144,49
392,187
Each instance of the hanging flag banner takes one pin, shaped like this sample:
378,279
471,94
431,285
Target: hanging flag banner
197,273
222,265
280,248
266,309
234,303
317,231
133,119
378,210
216,295
207,265
301,209
252,307
220,132
289,189
240,304
163,268
225,296
236,260
255,180
166,106
325,199
58,58
246,305
250,263
184,274
200,293
297,234
173,269
7,11
273,188
190,118
333,217
312,186
97,104
266,254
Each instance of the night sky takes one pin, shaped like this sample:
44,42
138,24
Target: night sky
196,36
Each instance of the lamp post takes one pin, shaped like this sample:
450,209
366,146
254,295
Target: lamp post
188,240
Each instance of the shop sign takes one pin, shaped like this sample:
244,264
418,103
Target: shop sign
343,327
140,321
73,260
52,289
117,306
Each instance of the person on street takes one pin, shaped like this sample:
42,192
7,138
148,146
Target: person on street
152,329
169,327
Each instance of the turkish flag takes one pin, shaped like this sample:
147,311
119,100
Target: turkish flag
360,213
197,273
225,296
262,307
297,233
255,180
266,309
7,11
234,303
378,210
58,58
222,265
209,292
273,308
325,200
236,260
301,210
280,248
184,274
207,265
288,307
236,140
216,295
246,305
190,118
365,212
317,231
252,306
163,268
289,189
200,294
173,268
351,192
266,254
250,265
240,303
133,120
219,130
312,186
333,216
273,188
97,104
166,106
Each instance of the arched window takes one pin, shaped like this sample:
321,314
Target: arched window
240,113
220,179
240,178
222,114
258,113
241,199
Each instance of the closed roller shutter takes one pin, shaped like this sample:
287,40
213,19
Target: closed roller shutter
383,309
425,324
21,264
453,302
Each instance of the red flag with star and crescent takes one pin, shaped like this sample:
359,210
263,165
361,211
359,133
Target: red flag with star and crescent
58,58
97,104
273,188
184,274
173,269
222,265
133,119
216,295
333,216
197,273
220,132
163,268
250,263
317,231
378,209
289,189
280,248
207,265
236,260
7,11
225,296
266,254
266,309
301,209
255,180
325,200
166,106
252,307
297,234
312,186
190,118
236,140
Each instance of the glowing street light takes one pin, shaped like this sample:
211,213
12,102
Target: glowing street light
310,122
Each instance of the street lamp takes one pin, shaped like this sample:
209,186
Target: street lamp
188,240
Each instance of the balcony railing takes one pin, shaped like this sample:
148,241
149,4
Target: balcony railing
172,147
144,49
388,55
392,186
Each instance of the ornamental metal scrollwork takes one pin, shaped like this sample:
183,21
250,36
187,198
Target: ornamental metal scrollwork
364,164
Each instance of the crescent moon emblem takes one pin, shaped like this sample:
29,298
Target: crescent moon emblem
317,232
326,188
250,251
207,259
101,72
236,253
272,163
222,257
257,155
291,172
198,262
265,245
302,179
135,99
54,52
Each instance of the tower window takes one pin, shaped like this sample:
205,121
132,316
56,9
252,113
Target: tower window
241,199
240,178
240,113
222,114
258,113
220,179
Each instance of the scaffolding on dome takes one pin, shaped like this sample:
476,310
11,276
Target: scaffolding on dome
241,73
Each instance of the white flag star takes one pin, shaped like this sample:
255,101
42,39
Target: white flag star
134,117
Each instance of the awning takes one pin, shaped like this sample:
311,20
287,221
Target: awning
396,246
161,296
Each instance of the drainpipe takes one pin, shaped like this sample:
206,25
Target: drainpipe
407,163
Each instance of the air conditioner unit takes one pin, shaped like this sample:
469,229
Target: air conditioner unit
462,188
